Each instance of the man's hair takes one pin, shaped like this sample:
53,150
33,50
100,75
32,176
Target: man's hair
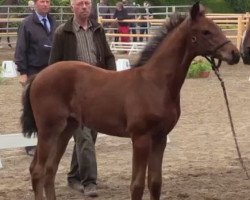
37,0
73,1
120,4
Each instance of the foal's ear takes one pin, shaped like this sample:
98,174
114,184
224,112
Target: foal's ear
197,10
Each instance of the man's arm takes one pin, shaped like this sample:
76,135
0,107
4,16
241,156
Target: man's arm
109,56
20,56
56,53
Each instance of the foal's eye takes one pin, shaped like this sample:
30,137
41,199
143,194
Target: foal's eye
206,32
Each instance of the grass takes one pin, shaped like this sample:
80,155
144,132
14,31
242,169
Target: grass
215,6
197,67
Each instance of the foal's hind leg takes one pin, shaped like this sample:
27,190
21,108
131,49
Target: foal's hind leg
141,146
37,167
52,165
47,137
155,166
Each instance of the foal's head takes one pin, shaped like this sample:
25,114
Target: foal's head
207,39
245,47
203,37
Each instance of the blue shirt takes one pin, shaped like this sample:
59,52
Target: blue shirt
40,17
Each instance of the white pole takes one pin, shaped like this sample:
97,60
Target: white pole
1,166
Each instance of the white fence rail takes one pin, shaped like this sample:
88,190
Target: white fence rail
12,15
129,47
14,141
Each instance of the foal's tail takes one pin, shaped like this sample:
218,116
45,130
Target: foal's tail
27,119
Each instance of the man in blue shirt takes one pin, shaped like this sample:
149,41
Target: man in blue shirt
33,46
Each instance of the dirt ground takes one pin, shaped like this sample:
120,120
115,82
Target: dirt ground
200,163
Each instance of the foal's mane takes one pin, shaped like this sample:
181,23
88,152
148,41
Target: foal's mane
174,21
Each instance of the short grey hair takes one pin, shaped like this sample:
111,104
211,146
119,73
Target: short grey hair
73,1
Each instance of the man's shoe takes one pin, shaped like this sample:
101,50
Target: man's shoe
76,185
90,190
30,150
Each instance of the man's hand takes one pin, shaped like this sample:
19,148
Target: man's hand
23,79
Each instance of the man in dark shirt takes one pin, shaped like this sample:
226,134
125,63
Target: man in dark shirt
82,38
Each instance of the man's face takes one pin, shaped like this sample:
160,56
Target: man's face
42,6
81,8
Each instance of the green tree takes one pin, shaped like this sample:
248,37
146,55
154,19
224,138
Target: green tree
60,2
239,6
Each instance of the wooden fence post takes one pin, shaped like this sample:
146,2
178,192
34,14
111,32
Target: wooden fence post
240,31
100,20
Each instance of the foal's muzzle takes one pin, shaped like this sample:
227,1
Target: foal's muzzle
235,57
230,54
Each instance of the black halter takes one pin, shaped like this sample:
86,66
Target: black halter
211,59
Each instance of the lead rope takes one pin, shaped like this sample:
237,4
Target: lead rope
216,71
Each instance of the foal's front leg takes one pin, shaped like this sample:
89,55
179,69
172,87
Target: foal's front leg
155,166
141,148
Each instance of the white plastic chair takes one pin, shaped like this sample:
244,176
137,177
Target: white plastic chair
8,69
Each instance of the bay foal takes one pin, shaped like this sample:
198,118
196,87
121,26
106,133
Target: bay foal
142,103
